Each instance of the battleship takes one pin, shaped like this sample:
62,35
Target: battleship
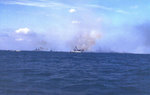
41,49
77,50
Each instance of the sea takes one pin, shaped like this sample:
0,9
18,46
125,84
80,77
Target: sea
66,73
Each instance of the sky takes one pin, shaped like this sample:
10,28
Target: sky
94,25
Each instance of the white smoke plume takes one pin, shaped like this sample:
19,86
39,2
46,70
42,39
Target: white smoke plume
85,40
88,32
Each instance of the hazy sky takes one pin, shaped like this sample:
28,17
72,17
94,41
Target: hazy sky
111,25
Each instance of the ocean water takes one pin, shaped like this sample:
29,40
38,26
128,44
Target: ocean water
60,73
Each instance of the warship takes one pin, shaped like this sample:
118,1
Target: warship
77,50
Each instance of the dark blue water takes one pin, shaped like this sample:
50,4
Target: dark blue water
58,73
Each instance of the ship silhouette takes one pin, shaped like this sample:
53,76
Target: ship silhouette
76,49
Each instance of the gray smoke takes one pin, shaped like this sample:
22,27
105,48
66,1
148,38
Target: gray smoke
144,31
84,35
126,39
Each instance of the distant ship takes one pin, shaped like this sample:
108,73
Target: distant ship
77,50
43,49
39,49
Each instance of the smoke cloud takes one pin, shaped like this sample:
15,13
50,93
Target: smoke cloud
132,39
85,40
81,30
